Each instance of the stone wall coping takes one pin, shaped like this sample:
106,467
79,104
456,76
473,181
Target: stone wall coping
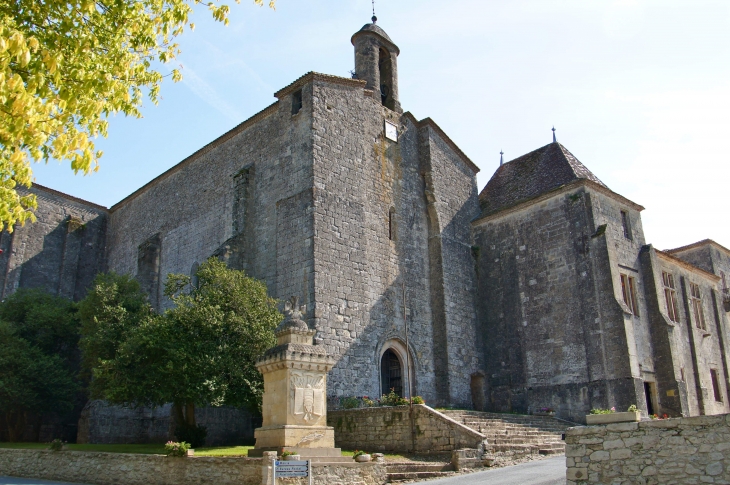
684,264
699,244
552,193
85,204
141,456
682,423
436,128
264,113
316,76
421,407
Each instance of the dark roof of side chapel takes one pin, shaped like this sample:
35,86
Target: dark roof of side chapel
530,176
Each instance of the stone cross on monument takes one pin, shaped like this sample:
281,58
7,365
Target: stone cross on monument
295,393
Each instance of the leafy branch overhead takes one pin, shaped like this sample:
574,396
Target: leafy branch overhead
65,66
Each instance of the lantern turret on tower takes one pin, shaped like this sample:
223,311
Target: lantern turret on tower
376,62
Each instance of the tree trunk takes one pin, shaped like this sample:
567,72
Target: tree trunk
177,413
16,425
190,413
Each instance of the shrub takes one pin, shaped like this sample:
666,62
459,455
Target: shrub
56,445
287,453
349,403
357,453
603,411
393,399
368,402
418,400
195,435
173,448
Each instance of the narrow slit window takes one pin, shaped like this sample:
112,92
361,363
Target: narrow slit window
626,223
716,385
391,224
296,102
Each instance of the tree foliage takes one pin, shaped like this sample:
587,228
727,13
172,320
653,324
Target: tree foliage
202,351
39,360
114,305
65,66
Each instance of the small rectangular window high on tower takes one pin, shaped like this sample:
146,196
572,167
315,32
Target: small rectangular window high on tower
626,223
296,102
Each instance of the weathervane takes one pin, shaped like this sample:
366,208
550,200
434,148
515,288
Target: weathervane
500,158
554,139
374,19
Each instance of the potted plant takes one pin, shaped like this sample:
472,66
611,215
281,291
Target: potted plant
608,416
360,456
290,456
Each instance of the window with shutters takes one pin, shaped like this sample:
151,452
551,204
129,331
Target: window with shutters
696,300
670,296
628,289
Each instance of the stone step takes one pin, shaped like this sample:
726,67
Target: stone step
414,467
403,477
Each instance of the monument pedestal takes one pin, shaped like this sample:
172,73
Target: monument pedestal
295,394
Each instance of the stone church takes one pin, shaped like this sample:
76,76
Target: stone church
540,291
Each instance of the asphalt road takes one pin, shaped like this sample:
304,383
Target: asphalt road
30,481
550,471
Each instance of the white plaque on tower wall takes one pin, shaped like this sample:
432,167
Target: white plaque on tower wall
391,131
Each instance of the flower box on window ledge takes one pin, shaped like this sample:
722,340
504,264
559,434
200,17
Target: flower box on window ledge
626,417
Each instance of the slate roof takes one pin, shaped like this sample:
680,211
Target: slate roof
531,175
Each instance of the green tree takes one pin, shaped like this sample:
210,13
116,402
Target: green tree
65,66
39,360
46,321
202,351
114,305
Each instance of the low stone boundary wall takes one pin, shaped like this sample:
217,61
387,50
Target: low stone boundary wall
128,468
390,429
133,469
679,451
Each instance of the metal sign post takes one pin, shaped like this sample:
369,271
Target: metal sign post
292,469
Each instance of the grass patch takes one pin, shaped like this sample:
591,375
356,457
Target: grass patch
223,451
148,449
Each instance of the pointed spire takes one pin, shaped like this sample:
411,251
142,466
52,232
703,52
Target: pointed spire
374,18
555,140
501,160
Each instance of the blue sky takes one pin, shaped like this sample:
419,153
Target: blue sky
639,91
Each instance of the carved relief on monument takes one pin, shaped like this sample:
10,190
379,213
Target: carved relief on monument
307,396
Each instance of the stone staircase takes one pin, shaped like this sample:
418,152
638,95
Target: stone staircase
510,437
515,434
410,471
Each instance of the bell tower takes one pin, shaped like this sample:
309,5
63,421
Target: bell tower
376,62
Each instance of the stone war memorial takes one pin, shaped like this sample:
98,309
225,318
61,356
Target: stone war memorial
294,402
539,292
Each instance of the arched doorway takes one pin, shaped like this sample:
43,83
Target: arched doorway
391,373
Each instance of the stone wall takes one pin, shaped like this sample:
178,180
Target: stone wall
680,451
686,353
553,331
104,423
127,468
61,253
132,469
381,429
